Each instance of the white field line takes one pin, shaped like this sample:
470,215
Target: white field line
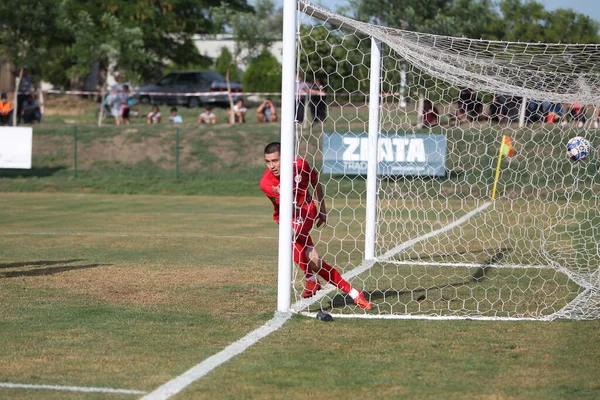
70,388
136,234
176,385
132,213
179,383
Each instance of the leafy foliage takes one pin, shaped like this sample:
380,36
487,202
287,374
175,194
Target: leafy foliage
225,63
263,74
510,20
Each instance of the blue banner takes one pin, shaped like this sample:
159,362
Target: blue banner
399,154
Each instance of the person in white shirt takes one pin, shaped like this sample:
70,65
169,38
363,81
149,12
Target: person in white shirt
153,116
239,112
207,117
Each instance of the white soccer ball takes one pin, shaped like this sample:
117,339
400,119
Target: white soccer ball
578,148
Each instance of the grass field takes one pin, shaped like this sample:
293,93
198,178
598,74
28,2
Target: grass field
128,292
118,274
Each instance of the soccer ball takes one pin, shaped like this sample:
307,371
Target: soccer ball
578,148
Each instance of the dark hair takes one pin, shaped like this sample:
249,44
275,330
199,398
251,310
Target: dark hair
273,147
173,109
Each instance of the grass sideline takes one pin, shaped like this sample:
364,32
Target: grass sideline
131,291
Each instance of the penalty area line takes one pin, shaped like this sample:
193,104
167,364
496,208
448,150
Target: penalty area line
8,385
176,385
179,383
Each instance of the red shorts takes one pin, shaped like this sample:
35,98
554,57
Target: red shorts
302,223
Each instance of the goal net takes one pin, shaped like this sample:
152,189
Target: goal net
429,214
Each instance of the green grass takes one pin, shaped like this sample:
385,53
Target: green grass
131,291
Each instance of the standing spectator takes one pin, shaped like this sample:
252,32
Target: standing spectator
31,110
129,100
430,114
239,112
26,87
207,117
153,116
266,112
6,110
115,101
318,105
302,91
175,118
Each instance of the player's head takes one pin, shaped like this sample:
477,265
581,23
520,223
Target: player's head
272,155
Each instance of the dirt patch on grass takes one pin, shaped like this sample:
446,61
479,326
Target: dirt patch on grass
143,284
126,149
67,105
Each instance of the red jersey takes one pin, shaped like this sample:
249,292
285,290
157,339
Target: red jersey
304,177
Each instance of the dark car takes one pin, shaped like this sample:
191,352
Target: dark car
190,88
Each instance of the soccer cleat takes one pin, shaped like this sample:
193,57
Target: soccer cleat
311,288
362,302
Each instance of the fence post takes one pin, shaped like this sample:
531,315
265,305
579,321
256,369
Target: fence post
177,154
75,151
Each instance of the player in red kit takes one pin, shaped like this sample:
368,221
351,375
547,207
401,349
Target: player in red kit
305,214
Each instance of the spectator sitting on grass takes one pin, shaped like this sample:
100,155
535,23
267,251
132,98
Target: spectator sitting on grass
239,112
153,116
31,110
266,112
207,117
175,117
6,110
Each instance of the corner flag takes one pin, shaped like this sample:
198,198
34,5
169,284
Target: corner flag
506,149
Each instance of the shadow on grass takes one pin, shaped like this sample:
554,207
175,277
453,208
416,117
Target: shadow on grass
420,294
36,263
34,172
50,268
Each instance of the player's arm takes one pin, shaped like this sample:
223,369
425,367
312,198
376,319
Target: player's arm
319,197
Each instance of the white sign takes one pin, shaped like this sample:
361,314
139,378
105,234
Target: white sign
390,149
15,147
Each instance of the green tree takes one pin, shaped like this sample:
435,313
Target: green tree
59,38
224,64
263,74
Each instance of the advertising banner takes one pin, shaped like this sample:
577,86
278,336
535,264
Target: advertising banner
399,154
15,147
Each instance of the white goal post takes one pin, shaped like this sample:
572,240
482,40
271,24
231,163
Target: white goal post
429,212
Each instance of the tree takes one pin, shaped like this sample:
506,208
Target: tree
224,64
60,38
263,74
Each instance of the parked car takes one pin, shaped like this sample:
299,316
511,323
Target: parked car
175,89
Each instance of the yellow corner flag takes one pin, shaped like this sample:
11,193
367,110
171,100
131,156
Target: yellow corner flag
506,149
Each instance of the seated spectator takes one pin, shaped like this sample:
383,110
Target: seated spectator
207,117
153,116
553,112
239,112
6,110
266,112
576,113
175,117
430,114
31,110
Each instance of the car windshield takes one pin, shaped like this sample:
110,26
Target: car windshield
187,79
212,76
168,80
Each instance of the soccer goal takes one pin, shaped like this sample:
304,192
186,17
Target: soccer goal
449,191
